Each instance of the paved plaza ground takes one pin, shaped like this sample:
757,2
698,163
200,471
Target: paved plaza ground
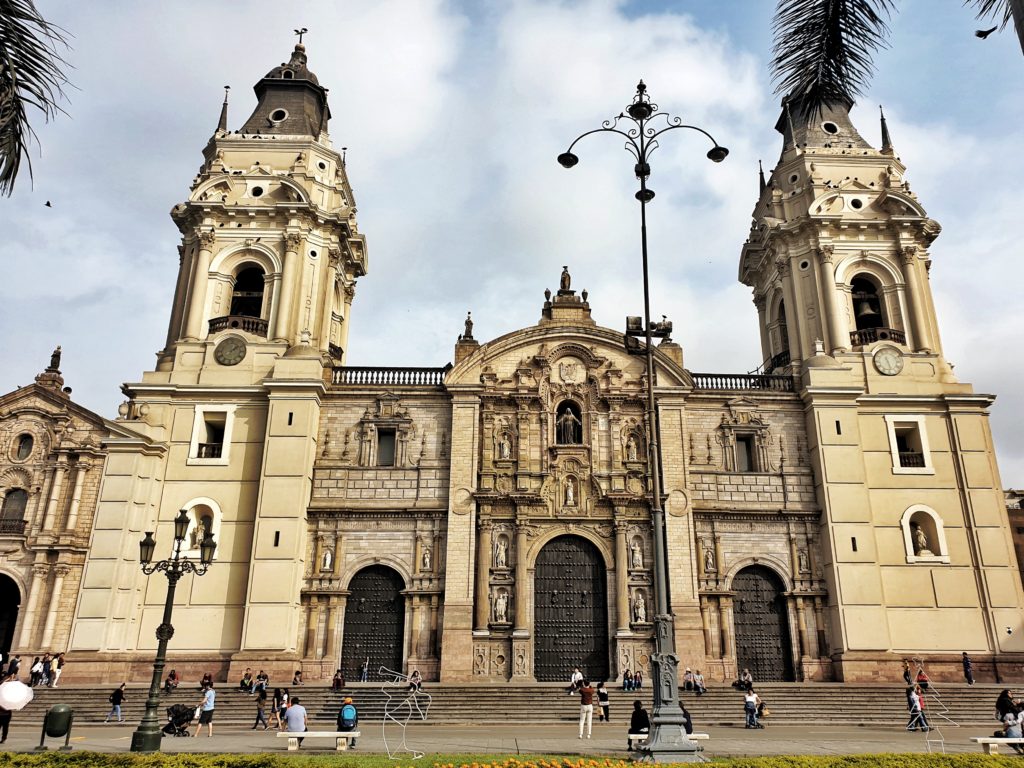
525,739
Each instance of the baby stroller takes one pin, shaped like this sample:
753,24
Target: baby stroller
178,718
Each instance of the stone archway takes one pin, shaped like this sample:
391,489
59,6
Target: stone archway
570,610
10,602
374,623
762,625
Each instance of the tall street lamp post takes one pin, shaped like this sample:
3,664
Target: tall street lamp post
147,736
641,125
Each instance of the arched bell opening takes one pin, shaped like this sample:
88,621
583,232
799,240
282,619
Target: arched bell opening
247,294
867,304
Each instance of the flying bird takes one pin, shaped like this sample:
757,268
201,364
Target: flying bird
983,33
49,204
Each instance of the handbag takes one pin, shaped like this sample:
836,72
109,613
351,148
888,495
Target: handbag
195,715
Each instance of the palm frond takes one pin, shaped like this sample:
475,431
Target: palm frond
823,48
999,11
31,78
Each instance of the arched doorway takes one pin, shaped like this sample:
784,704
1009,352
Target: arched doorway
10,601
762,625
570,615
374,622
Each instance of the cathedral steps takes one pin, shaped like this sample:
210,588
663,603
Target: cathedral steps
790,704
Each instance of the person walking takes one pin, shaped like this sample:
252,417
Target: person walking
206,707
295,718
13,667
35,672
277,708
968,669
586,708
348,718
58,668
639,722
750,703
261,711
364,674
5,723
602,700
116,699
916,709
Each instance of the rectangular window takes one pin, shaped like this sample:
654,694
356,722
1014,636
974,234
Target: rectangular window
211,434
385,447
745,453
908,444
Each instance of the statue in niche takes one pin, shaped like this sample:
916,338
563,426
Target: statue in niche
570,428
327,560
199,531
803,562
565,280
920,541
709,559
520,664
504,446
639,608
632,449
570,491
501,553
425,558
638,555
469,326
501,607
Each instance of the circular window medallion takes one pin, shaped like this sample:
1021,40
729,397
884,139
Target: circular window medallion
829,127
231,351
278,115
257,191
322,165
23,446
856,204
804,265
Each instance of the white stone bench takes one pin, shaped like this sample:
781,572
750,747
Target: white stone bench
343,738
990,744
636,738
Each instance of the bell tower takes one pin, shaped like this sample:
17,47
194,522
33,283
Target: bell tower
914,535
270,250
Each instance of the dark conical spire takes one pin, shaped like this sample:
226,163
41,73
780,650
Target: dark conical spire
760,176
789,127
222,124
886,140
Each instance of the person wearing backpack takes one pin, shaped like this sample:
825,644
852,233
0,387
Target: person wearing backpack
348,718
116,699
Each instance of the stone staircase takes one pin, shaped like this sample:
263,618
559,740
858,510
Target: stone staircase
789,703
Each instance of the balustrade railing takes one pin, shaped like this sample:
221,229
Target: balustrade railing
871,335
406,377
742,381
911,459
15,527
209,450
254,325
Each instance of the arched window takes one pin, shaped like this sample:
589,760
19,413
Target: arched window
247,296
867,306
568,423
783,328
15,502
924,535
24,449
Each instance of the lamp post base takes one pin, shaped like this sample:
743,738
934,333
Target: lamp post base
669,744
146,739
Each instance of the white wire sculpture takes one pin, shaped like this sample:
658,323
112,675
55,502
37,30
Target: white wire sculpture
400,708
935,711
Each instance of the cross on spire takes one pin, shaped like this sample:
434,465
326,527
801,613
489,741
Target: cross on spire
300,33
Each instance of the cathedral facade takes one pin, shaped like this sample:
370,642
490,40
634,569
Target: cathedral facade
489,520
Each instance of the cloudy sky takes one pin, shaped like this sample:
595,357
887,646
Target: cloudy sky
453,114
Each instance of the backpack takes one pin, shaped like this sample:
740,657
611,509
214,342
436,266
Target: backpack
347,718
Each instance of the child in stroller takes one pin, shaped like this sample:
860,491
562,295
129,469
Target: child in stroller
178,718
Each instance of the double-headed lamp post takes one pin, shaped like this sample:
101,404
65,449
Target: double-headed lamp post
146,737
641,125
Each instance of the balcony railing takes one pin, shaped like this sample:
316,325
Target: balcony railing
12,527
257,326
209,450
871,335
911,459
742,381
406,377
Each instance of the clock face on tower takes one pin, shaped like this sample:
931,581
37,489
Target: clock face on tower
888,361
230,351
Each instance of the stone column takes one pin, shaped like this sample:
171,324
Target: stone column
417,628
76,495
801,624
522,580
312,624
39,574
55,489
323,324
836,340
434,603
483,575
724,612
331,645
819,623
283,329
180,289
922,341
621,577
705,621
200,277
761,303
794,319
55,605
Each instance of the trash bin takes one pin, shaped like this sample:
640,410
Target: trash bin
58,720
